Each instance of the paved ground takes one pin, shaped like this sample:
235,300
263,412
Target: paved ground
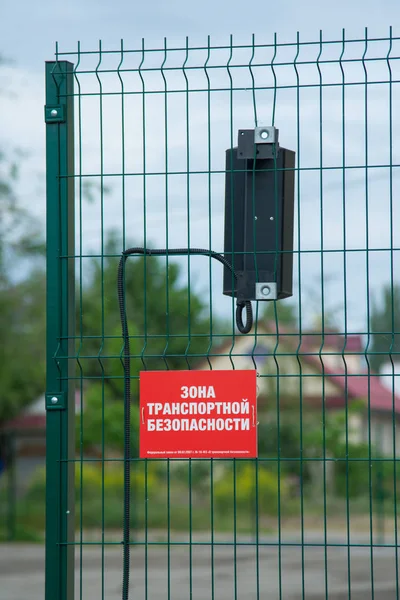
21,571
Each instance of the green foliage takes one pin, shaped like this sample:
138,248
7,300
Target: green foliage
351,476
283,312
22,353
198,474
22,291
163,333
282,445
161,496
357,476
350,473
22,534
237,489
329,434
98,494
286,439
385,319
385,476
20,234
167,342
102,422
99,497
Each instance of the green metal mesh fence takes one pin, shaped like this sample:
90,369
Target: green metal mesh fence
136,140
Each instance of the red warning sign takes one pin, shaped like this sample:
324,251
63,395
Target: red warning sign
198,414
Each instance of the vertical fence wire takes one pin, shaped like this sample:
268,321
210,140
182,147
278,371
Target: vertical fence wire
80,326
392,307
322,276
367,269
299,270
346,398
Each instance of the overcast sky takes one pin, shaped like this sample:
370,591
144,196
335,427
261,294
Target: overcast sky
28,29
28,32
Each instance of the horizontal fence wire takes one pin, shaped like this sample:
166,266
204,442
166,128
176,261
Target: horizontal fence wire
315,516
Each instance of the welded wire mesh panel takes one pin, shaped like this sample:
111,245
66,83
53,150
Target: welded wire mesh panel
315,516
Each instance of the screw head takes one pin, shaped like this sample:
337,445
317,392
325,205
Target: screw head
54,112
264,134
271,218
54,400
265,290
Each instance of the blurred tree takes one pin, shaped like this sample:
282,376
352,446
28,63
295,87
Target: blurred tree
169,326
313,440
102,421
20,234
385,327
22,293
22,349
284,312
162,336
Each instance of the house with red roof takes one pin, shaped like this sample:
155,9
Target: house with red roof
315,370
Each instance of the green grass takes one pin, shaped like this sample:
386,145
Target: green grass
179,511
31,515
21,534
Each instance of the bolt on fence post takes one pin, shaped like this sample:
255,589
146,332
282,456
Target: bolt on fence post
59,118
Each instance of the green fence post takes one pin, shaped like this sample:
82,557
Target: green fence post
60,397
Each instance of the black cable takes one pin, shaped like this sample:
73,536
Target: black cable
243,328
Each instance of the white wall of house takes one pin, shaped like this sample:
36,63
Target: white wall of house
334,360
379,428
390,376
